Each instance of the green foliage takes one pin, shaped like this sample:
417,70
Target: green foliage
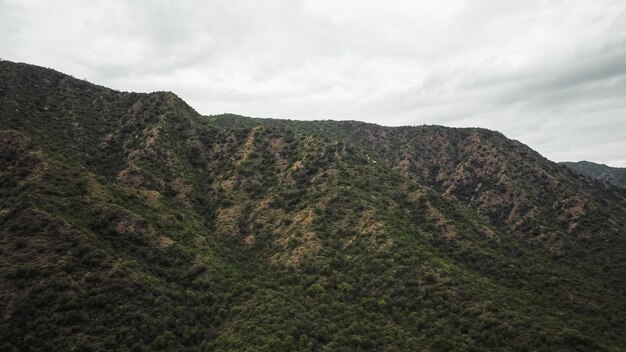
613,175
130,222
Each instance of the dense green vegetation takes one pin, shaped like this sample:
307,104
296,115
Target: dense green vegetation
130,222
613,175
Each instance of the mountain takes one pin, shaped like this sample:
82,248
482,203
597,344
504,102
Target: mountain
128,221
613,175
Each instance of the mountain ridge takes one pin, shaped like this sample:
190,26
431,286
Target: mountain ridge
612,175
169,230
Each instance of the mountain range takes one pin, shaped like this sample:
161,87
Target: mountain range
613,175
130,222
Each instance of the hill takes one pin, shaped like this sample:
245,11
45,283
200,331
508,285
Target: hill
613,175
129,221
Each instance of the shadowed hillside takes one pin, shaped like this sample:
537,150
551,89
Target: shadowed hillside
613,175
130,222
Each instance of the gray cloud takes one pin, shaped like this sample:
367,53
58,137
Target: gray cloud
550,74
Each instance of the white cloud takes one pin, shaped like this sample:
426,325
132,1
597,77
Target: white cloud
551,74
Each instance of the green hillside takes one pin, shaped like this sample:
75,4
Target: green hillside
130,222
613,175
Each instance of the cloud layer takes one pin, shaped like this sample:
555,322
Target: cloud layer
551,74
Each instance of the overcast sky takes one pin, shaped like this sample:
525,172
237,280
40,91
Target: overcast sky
551,74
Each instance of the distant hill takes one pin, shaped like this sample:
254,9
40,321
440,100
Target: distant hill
613,175
129,222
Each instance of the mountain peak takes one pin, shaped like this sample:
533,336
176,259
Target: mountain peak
613,175
129,221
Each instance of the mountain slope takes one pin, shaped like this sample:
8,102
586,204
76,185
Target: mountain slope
613,175
130,222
